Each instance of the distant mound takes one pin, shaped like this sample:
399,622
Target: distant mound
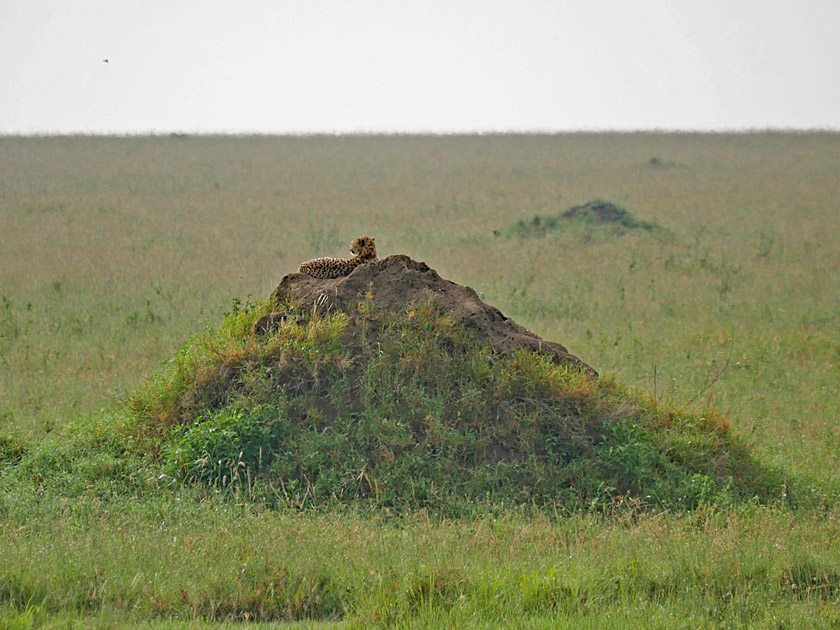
591,213
399,389
657,163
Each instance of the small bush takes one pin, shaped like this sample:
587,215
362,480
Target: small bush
225,446
12,450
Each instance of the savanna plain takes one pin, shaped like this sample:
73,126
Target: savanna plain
116,251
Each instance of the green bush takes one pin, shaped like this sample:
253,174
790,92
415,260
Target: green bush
225,445
12,449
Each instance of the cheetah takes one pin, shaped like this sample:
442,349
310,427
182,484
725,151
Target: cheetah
362,246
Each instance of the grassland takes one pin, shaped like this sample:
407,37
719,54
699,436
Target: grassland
117,250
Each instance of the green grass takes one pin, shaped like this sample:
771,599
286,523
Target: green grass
182,559
118,250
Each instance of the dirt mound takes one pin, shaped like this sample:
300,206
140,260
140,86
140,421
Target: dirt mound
592,214
395,388
398,282
600,211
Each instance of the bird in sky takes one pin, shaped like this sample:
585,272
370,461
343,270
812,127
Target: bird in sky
105,61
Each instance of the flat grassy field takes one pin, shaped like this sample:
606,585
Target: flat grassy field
117,250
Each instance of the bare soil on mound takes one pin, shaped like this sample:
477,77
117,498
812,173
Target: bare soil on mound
397,282
600,211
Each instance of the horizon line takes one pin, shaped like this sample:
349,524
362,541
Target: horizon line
422,132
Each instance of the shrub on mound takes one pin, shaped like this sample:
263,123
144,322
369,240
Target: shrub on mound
408,408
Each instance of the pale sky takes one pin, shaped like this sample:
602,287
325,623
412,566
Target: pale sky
276,66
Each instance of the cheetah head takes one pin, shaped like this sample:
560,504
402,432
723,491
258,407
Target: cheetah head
364,247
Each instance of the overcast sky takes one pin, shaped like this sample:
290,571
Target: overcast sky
422,65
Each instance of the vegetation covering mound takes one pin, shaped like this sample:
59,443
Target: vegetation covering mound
396,388
591,213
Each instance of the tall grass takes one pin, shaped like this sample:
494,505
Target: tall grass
117,250
184,560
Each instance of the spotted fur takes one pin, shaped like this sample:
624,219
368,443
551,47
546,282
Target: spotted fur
362,246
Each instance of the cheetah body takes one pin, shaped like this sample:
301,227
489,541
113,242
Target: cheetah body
364,249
